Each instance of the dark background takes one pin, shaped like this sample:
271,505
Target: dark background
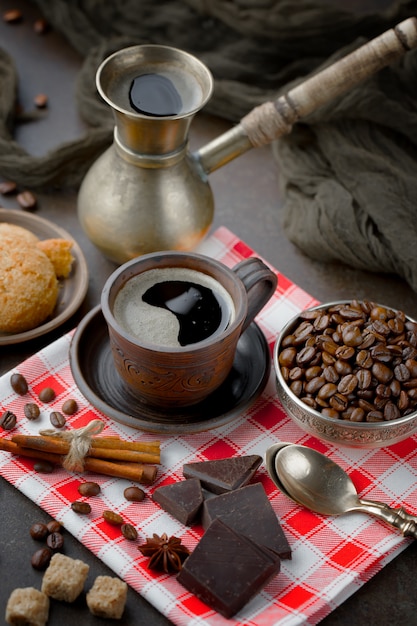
248,203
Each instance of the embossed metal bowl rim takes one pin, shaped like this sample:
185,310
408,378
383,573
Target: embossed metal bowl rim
352,434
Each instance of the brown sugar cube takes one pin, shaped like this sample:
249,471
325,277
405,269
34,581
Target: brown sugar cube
27,606
64,578
107,597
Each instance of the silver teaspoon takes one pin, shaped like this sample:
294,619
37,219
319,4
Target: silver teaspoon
318,483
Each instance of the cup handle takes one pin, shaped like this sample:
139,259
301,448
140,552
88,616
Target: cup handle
260,283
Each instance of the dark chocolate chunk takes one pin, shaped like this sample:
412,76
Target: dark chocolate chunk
223,475
226,569
182,500
248,511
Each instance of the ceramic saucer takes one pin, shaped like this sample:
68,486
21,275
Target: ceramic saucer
72,290
94,373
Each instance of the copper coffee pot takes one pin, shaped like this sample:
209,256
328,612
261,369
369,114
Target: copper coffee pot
147,192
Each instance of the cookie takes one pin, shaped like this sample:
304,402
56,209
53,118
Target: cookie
28,286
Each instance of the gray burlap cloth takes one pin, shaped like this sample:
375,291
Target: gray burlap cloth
348,173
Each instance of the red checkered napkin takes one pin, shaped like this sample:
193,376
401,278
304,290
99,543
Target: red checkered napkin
332,557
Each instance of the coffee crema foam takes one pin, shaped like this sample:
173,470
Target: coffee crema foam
156,325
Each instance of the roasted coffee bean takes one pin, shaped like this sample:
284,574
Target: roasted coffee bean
41,26
13,16
41,101
315,385
382,372
129,532
89,489
287,357
391,411
39,531
347,384
82,508
339,402
7,420
306,355
401,372
55,541
19,384
47,394
70,407
31,411
330,374
134,494
364,378
57,419
296,373
326,391
342,367
364,359
40,559
43,467
113,518
27,200
54,526
7,187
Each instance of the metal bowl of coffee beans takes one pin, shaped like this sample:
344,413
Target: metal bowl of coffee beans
346,372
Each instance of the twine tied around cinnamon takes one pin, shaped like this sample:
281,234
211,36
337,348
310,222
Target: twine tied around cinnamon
80,443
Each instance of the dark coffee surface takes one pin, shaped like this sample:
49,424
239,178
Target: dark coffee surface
200,312
154,95
248,202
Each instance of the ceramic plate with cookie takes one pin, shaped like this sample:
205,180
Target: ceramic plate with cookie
40,260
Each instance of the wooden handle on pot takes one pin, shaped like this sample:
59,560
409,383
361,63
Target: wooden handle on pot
274,119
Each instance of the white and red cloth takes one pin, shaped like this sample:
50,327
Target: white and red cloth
332,556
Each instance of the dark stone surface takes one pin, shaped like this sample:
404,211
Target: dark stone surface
248,202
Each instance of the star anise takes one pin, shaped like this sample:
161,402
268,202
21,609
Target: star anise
165,554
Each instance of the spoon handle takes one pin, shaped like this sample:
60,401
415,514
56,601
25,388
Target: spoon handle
399,518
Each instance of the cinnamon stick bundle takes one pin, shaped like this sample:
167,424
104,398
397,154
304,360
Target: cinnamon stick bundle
110,448
136,472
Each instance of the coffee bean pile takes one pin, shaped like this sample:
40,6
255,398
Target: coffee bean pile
51,534
355,361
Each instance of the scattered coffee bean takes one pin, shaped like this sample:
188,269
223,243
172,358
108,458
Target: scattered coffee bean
8,187
41,100
40,559
31,411
134,494
39,531
362,356
41,26
19,384
89,489
7,420
27,200
43,467
82,508
54,526
57,419
47,394
129,532
13,16
113,518
70,407
55,541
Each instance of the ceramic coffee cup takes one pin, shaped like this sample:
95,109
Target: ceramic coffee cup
174,321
